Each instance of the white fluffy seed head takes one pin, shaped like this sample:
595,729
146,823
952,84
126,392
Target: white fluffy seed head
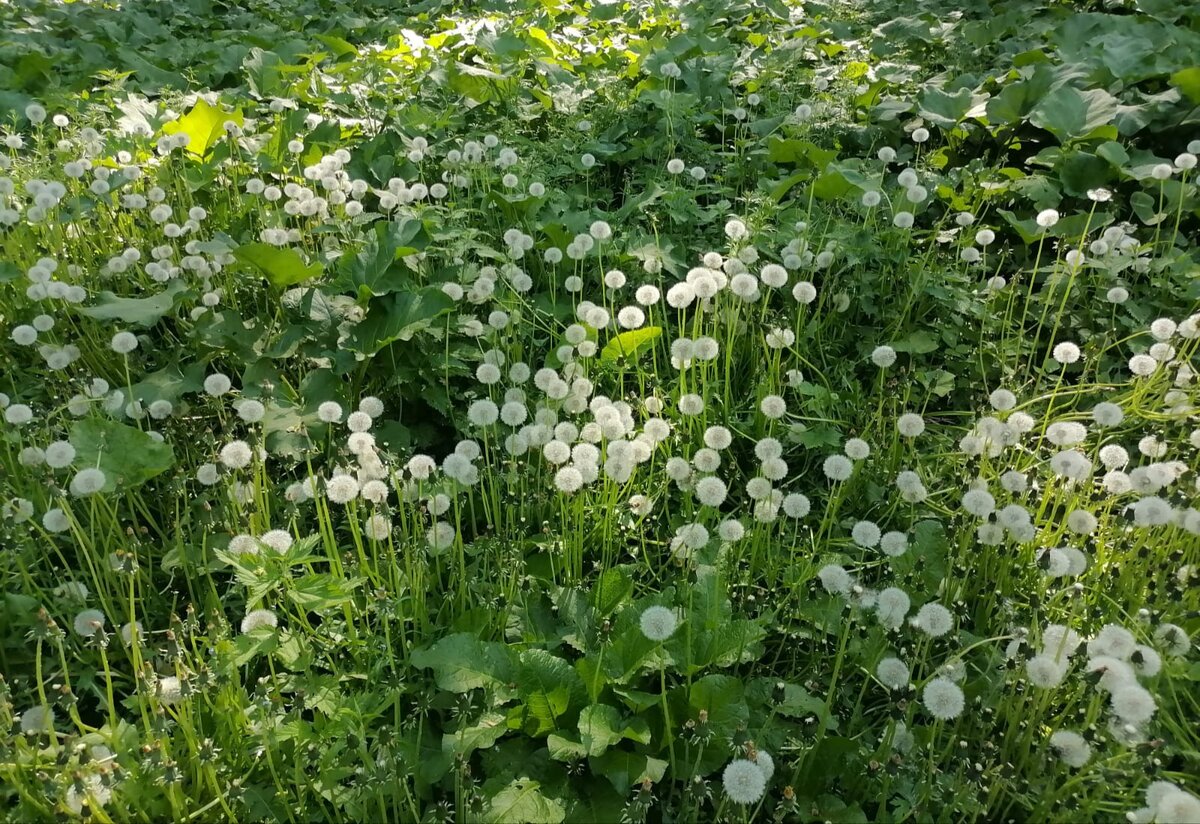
744,782
658,623
910,425
943,699
329,412
259,618
883,356
893,673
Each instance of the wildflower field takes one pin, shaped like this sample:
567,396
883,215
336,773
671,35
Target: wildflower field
579,411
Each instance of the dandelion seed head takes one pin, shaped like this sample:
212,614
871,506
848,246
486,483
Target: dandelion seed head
943,699
837,467
893,673
88,622
910,425
835,579
658,623
743,781
259,618
934,620
1071,748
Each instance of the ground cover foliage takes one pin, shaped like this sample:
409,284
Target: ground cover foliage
543,412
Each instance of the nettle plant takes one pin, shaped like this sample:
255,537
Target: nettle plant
432,476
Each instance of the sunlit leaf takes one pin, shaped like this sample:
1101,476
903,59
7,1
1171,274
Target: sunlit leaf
203,125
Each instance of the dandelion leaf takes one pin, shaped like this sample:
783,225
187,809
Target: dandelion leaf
610,590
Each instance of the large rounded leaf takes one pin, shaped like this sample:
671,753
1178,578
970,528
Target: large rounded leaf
129,457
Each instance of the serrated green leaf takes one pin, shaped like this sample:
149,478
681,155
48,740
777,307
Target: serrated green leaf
320,591
259,642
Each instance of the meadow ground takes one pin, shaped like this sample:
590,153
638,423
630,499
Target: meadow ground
593,412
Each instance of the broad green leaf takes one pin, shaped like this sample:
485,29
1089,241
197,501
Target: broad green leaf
722,697
1114,153
944,110
1016,100
522,802
630,344
564,747
137,311
1188,83
169,384
610,590
281,266
462,662
624,769
127,456
797,702
546,685
602,725
378,267
477,736
264,73
203,125
1082,171
919,342
831,184
1068,113
598,728
781,189
804,152
339,46
397,317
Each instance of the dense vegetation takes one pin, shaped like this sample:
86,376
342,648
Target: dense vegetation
595,412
